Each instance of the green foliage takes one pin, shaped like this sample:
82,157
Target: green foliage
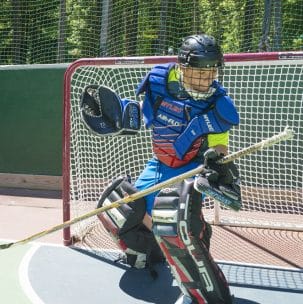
5,33
83,28
29,30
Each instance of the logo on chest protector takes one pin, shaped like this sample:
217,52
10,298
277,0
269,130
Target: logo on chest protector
208,123
172,107
168,120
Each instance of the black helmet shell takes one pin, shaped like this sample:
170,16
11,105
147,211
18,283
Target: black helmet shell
200,51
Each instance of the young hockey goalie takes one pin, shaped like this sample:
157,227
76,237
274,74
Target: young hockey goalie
190,116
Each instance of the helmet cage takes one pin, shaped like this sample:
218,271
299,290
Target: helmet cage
195,87
201,52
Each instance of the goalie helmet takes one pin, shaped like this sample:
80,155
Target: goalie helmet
200,59
200,51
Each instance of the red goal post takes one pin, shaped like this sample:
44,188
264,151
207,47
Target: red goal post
267,89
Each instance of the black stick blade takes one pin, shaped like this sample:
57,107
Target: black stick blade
6,246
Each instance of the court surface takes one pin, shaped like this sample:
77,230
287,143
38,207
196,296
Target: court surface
47,272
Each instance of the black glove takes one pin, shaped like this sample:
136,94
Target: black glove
225,177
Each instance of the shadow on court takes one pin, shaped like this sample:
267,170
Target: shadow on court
141,286
102,280
61,275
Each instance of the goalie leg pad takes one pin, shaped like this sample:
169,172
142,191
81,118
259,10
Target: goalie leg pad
124,224
183,236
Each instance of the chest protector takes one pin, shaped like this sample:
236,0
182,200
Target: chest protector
179,126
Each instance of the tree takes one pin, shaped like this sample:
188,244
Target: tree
18,55
131,27
62,32
248,26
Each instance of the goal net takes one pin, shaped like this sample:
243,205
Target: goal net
61,31
267,89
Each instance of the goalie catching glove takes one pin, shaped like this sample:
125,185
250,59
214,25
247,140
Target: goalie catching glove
220,181
105,113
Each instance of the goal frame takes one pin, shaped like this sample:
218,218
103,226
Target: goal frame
229,59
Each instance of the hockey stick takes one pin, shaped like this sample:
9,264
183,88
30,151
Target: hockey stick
286,134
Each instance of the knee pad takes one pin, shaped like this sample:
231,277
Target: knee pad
184,236
124,225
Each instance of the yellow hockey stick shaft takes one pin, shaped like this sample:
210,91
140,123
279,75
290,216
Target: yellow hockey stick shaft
285,135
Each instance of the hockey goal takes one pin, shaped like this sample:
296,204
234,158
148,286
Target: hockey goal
267,89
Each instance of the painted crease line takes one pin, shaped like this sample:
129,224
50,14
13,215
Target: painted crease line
24,278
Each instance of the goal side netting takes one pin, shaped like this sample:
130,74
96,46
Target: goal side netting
267,89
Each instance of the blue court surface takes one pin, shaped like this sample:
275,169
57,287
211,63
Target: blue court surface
53,274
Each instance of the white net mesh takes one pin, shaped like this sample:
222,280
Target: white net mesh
269,98
40,31
268,95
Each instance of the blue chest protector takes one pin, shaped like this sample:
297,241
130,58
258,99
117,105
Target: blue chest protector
183,121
